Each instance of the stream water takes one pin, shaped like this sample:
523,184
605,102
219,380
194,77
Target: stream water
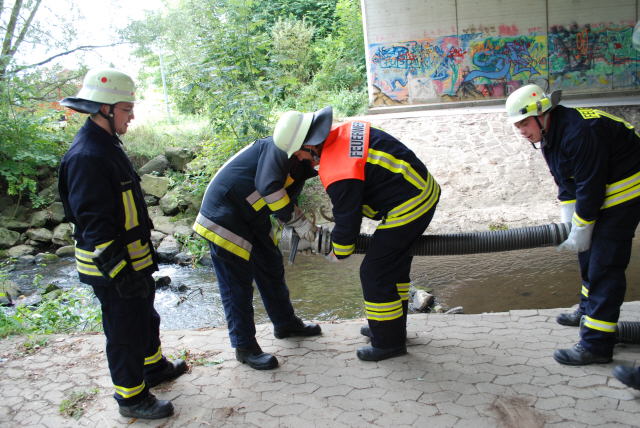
494,282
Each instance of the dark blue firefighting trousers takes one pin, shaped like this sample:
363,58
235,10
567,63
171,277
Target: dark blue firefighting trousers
132,329
235,280
602,268
385,278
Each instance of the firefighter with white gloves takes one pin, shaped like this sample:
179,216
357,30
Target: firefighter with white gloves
594,158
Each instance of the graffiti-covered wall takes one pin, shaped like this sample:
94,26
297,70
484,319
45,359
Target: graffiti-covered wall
454,50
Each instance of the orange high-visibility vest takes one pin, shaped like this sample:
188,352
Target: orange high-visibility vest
344,154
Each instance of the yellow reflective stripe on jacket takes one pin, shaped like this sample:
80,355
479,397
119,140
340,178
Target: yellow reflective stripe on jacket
222,237
584,291
116,270
395,165
403,290
412,215
154,358
256,201
383,311
594,324
130,211
129,392
592,113
143,263
137,249
414,202
343,250
87,269
140,255
622,191
572,201
579,221
277,200
367,211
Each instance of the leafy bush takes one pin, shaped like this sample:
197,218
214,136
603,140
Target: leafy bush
72,310
29,142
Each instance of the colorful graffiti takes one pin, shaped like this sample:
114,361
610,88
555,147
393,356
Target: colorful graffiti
472,65
592,57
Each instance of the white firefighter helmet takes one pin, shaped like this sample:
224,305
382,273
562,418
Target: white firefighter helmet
529,100
295,129
102,86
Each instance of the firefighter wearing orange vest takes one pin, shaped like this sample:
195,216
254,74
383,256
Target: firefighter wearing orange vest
366,171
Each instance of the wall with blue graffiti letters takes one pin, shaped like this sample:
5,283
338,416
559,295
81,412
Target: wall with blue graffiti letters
453,50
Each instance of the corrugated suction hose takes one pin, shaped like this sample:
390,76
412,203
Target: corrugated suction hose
482,242
628,332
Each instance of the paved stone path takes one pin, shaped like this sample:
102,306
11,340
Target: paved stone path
461,371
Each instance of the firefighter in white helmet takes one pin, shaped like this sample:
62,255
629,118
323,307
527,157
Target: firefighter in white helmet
258,182
594,158
102,197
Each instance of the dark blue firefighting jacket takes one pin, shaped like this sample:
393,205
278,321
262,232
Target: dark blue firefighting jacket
101,194
260,180
594,158
397,189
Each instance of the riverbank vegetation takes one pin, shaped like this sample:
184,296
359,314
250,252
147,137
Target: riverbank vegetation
222,72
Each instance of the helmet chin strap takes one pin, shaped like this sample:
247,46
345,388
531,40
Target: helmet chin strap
109,118
543,132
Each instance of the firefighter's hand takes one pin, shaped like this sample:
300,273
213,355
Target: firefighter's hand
579,239
303,227
566,211
133,285
332,257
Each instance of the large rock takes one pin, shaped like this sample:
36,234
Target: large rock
39,218
170,203
8,238
179,157
164,224
156,186
9,291
46,258
66,251
168,249
17,225
63,234
40,234
50,193
159,165
56,213
157,237
19,251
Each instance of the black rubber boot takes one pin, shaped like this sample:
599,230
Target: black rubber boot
297,328
149,408
366,331
371,353
630,376
172,370
256,359
570,319
579,356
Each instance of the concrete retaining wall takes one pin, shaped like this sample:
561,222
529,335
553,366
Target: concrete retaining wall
458,50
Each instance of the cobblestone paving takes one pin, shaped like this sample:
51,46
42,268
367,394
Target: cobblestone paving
483,370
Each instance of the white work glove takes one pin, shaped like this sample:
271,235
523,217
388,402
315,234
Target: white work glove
332,257
302,226
566,211
579,239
